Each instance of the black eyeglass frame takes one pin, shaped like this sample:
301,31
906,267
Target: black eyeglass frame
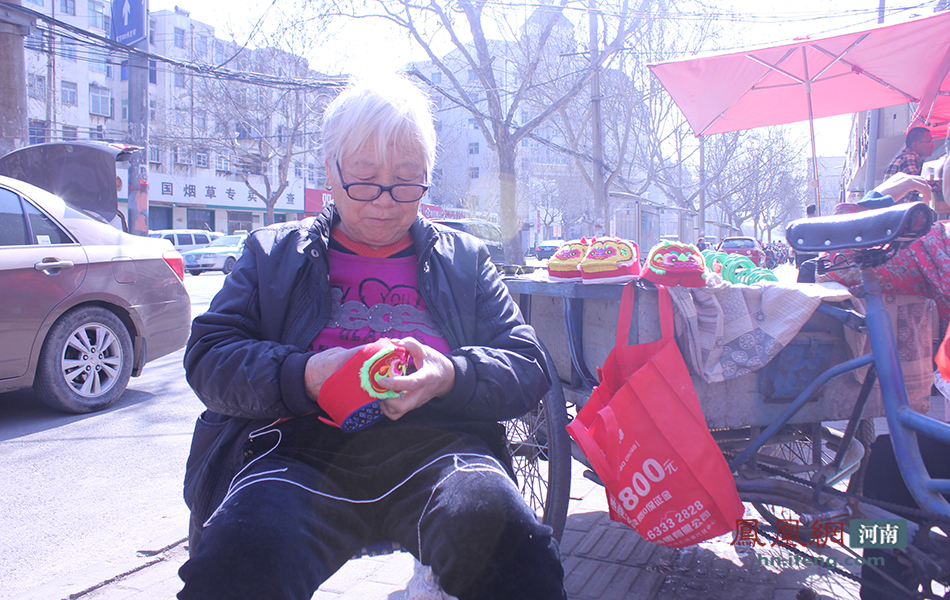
381,188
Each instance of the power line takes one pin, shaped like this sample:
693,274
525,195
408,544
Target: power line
90,39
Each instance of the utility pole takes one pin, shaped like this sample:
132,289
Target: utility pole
130,26
597,173
14,26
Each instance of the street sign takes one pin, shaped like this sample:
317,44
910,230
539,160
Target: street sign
129,22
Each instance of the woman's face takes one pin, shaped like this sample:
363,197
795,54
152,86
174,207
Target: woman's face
382,221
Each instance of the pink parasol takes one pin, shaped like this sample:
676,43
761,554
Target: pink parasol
811,78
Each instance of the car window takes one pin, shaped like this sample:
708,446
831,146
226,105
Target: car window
12,225
486,231
45,231
170,237
229,241
738,244
185,239
201,238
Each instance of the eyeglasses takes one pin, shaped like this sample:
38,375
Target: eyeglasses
367,192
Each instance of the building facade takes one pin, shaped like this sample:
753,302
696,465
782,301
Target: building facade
205,171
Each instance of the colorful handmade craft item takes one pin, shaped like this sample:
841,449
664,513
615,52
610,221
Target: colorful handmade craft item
610,260
675,263
564,264
351,395
736,268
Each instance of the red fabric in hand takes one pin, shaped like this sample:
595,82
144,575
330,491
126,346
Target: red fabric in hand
351,395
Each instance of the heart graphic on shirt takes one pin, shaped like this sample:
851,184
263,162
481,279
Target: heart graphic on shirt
374,291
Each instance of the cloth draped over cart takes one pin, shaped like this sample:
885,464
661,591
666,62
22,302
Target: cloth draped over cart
726,331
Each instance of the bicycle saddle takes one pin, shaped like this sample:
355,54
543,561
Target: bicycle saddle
867,229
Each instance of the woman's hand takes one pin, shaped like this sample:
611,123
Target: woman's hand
434,377
323,364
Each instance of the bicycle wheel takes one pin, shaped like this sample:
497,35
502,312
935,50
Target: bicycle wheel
793,452
541,455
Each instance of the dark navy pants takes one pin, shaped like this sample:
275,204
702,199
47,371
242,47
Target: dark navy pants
298,512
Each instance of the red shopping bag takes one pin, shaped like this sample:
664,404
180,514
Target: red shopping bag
644,433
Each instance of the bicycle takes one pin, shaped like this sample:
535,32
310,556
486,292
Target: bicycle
771,479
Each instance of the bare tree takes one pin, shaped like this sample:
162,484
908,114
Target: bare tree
259,119
503,72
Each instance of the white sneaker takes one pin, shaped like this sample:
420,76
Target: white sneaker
424,584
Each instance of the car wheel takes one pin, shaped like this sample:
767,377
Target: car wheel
85,362
228,265
194,272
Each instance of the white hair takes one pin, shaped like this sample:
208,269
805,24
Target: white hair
391,108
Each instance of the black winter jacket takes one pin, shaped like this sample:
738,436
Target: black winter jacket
246,355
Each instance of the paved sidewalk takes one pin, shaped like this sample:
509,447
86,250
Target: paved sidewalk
602,560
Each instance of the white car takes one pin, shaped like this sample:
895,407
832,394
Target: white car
219,255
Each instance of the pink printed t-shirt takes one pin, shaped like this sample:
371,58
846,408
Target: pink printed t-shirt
374,296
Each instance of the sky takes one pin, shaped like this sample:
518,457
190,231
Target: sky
362,47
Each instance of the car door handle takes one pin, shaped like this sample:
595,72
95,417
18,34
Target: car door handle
53,264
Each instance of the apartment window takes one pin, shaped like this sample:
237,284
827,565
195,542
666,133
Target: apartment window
124,70
38,131
201,159
67,7
152,26
298,170
179,79
152,109
222,162
154,153
100,100
311,174
201,46
473,148
201,119
473,172
182,155
181,117
96,133
69,93
471,75
218,52
97,16
36,86
473,123
436,77
68,49
152,72
179,37
70,133
35,40
100,64
124,109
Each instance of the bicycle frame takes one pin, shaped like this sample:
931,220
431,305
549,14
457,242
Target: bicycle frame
903,422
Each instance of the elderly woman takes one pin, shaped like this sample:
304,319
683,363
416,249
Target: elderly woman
280,496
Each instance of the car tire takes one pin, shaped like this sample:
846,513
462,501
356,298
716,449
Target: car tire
228,265
195,272
62,381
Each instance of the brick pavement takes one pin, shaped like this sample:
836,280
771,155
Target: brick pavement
602,560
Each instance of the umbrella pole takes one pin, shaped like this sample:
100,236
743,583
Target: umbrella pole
811,131
814,159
